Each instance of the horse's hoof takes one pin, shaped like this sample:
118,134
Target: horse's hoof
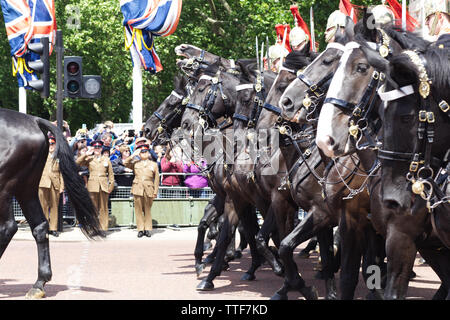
238,254
278,296
205,286
310,293
225,266
248,277
35,293
199,269
332,295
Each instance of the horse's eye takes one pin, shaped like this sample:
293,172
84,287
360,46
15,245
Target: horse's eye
327,62
362,68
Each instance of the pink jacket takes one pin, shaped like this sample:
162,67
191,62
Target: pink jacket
167,166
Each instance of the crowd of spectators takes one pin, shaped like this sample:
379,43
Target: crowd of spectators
174,171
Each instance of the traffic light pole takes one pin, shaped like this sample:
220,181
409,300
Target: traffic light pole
59,47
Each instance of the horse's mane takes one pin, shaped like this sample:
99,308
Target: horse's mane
297,60
406,39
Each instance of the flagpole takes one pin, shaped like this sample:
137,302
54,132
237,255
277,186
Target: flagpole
137,91
404,15
22,100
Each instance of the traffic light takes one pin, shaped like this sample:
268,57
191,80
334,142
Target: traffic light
73,76
41,66
75,84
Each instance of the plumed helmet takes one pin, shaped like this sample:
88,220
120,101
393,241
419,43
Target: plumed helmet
336,19
277,51
297,36
382,14
433,6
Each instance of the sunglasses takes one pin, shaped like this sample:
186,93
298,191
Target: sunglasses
52,143
145,150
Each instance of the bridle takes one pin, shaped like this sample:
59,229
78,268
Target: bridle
207,118
420,173
360,112
258,101
165,123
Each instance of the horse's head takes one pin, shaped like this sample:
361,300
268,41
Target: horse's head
251,94
413,114
168,114
212,100
272,113
305,93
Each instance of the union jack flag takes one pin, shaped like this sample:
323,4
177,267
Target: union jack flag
27,21
144,20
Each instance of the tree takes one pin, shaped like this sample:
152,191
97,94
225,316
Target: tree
225,27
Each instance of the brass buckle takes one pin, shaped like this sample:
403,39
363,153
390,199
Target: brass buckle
376,75
422,116
307,153
313,87
414,166
357,112
430,117
443,105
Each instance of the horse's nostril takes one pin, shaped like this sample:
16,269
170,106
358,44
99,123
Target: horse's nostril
287,103
331,141
391,204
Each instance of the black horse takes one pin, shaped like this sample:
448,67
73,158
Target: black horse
24,150
345,130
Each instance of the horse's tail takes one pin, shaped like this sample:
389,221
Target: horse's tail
79,197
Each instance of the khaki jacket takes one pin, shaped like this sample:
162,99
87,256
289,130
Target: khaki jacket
101,175
51,176
146,176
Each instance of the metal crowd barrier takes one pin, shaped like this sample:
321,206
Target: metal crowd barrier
174,204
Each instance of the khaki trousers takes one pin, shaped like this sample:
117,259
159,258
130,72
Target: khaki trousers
49,199
142,211
100,200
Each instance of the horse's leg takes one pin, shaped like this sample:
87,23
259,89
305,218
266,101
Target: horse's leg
8,225
222,244
293,280
229,256
374,256
242,242
268,227
32,211
438,257
210,214
325,239
352,244
251,229
401,252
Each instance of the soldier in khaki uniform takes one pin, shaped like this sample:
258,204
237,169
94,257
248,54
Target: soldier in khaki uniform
50,187
145,187
101,179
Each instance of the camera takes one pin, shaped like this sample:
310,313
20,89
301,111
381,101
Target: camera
131,132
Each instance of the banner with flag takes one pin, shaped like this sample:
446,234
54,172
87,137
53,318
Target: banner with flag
143,21
27,21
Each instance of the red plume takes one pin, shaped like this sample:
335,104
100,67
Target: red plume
396,8
346,7
301,23
279,29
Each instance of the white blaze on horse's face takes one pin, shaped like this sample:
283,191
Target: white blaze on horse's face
325,137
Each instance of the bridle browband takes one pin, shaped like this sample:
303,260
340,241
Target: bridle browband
258,101
206,115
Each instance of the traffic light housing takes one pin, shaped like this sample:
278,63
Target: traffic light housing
41,66
76,85
73,72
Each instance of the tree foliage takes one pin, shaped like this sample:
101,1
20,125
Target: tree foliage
225,27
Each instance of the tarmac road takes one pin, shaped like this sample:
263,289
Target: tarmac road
161,267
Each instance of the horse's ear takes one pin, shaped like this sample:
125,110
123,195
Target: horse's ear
246,73
349,28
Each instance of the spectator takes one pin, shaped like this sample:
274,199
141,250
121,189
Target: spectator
79,142
170,164
115,153
107,139
101,180
159,150
83,171
140,141
145,187
117,163
195,183
51,186
106,127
